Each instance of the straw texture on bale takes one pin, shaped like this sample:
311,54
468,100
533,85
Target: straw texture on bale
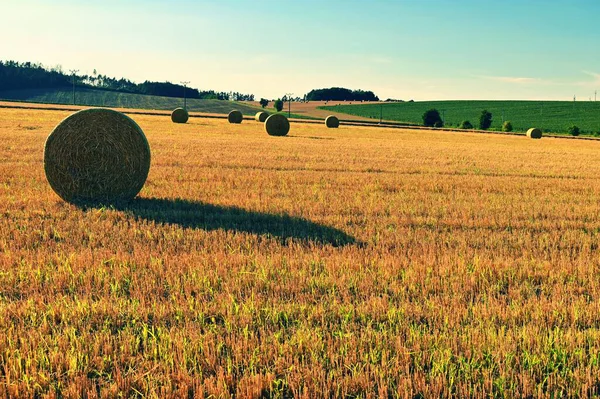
277,125
235,116
97,156
261,116
180,115
332,121
534,133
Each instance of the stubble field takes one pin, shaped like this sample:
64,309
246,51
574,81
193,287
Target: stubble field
356,262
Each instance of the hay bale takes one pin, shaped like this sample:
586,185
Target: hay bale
332,121
235,116
261,116
277,125
534,133
180,115
97,156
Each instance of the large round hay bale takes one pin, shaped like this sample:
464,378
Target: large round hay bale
97,156
261,116
534,133
277,125
332,121
235,116
180,115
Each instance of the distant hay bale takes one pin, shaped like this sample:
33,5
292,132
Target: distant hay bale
332,121
235,116
97,156
534,133
277,125
180,115
261,116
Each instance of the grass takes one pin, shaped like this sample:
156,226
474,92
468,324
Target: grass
550,116
112,99
350,263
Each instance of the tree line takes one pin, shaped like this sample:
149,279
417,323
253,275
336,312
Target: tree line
340,94
26,75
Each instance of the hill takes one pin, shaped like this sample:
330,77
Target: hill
26,75
105,98
550,116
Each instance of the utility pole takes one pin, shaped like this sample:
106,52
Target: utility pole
595,93
184,90
289,97
73,72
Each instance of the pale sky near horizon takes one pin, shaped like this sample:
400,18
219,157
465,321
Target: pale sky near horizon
404,49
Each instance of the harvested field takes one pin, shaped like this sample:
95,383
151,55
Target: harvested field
359,262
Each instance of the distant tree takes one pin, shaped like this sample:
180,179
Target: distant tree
485,120
465,125
278,105
507,126
432,117
574,130
264,102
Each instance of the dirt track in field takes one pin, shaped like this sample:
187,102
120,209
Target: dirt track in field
310,109
306,109
131,111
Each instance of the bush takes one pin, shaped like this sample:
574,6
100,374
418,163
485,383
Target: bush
574,130
465,125
264,102
507,126
278,105
485,120
431,118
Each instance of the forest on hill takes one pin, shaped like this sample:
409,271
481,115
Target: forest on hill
26,75
340,94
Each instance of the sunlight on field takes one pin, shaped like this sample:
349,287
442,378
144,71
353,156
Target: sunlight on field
350,262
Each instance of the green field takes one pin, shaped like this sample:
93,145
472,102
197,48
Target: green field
104,98
550,116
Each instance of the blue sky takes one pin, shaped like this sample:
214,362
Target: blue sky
418,49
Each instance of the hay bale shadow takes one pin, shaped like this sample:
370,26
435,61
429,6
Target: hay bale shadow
199,215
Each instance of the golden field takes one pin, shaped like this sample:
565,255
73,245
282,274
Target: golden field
354,262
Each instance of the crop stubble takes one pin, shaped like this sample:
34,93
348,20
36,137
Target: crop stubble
359,262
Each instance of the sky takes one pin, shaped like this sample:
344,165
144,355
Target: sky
401,49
